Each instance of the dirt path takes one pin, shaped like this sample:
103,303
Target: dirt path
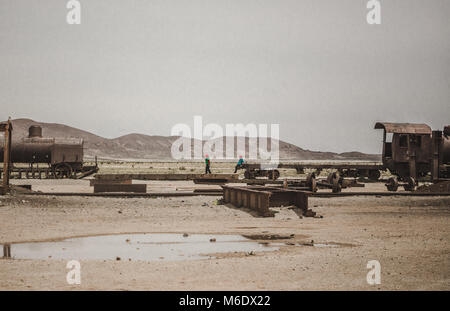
408,236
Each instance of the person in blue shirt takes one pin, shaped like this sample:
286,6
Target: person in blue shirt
240,164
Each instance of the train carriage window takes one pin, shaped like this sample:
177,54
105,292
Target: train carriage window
419,141
403,141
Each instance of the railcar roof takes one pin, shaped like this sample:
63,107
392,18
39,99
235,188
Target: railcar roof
404,128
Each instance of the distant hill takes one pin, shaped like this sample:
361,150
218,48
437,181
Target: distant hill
140,146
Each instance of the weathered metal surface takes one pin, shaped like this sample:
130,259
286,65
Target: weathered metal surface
414,152
441,186
215,191
38,172
260,198
253,170
364,169
139,188
404,128
38,149
300,166
35,131
6,154
63,155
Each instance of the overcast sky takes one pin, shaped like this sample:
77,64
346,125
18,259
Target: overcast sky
314,67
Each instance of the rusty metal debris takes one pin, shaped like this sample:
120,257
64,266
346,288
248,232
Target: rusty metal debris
369,170
7,128
253,170
260,198
439,187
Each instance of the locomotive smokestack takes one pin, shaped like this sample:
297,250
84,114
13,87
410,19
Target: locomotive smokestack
34,131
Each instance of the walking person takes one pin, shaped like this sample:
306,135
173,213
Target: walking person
207,165
240,164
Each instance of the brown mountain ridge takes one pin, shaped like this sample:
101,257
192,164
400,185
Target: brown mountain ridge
146,147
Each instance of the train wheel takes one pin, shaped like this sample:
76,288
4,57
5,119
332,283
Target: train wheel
374,174
410,184
275,174
311,182
332,176
62,170
392,184
336,186
334,180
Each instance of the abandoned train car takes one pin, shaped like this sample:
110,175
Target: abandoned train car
411,151
64,156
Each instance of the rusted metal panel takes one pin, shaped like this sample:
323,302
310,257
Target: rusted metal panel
404,128
414,152
438,187
67,153
35,131
137,188
261,199
38,149
6,155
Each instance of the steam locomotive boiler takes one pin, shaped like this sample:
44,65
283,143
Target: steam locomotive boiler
63,156
413,151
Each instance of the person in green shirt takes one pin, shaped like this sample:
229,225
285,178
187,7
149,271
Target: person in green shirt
207,164
240,164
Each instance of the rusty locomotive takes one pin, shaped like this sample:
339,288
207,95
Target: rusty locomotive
63,156
413,151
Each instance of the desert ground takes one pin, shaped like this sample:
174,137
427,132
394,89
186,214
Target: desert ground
409,236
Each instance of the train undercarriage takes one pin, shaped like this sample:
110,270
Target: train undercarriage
56,171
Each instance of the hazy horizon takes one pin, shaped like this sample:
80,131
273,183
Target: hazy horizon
316,68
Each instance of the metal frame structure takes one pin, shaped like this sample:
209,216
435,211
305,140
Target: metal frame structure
7,128
260,198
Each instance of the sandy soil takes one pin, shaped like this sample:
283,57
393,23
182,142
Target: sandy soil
408,236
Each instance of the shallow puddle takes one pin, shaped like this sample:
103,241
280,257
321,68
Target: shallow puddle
145,247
